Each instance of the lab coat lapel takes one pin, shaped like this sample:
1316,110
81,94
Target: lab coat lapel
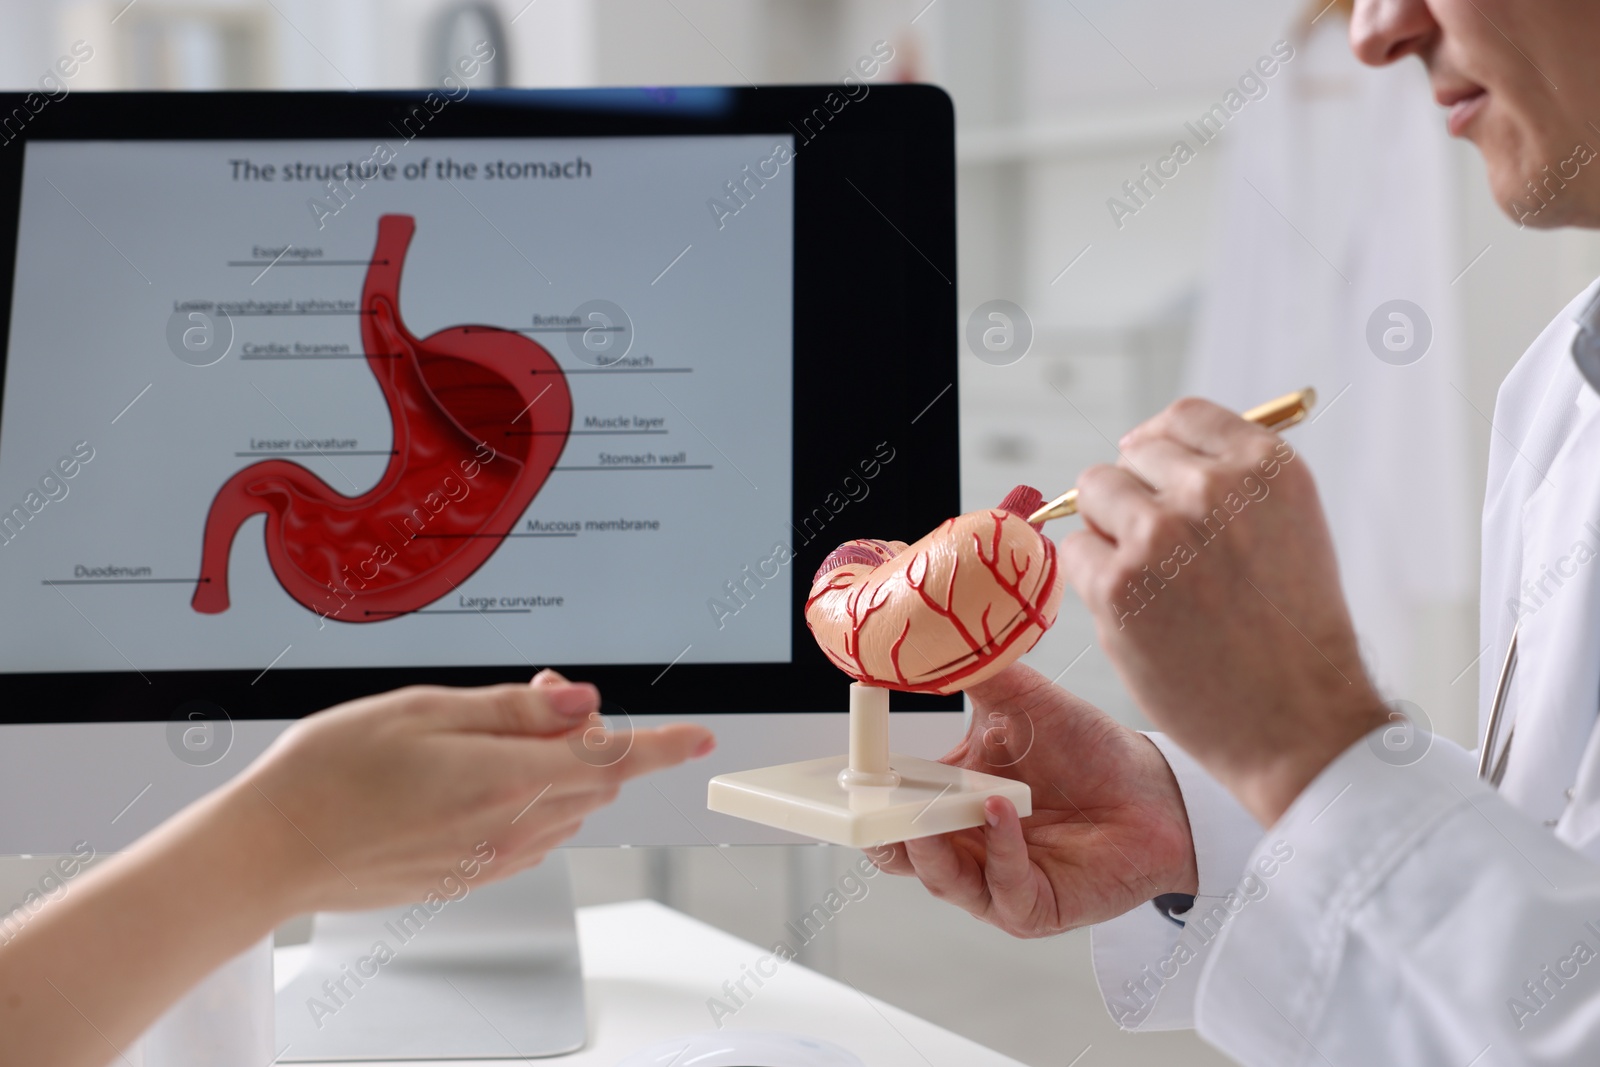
1558,674
1534,414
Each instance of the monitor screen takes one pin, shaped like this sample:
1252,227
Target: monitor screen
300,404
494,392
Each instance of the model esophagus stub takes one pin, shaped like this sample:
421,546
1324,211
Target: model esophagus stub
936,616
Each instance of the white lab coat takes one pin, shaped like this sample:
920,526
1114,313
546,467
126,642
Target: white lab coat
1409,914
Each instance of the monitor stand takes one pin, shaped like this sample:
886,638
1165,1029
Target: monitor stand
495,974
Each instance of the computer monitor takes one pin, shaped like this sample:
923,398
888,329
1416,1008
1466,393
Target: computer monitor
307,396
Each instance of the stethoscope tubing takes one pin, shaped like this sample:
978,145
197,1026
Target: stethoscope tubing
1490,769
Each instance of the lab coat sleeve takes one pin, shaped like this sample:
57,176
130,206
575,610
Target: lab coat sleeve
1147,966
1408,914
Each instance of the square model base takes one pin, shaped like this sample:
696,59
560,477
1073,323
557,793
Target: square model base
807,798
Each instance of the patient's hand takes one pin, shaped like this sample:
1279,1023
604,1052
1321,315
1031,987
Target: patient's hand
1108,830
371,802
376,802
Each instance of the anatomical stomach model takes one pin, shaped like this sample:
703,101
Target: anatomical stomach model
480,415
936,616
945,613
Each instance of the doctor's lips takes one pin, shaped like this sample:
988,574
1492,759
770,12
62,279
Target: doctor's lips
1465,102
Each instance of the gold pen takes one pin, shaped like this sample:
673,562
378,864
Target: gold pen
1279,414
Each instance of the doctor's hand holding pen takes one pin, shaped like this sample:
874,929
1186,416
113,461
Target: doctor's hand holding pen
367,804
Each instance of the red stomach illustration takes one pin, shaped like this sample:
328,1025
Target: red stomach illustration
480,416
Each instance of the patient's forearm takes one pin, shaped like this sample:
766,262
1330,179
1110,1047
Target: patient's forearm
93,969
371,802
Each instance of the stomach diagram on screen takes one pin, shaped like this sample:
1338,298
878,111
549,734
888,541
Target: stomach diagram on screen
480,416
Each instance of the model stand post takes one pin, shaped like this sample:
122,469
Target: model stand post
868,797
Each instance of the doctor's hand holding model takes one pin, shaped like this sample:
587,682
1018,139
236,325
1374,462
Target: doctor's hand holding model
1402,905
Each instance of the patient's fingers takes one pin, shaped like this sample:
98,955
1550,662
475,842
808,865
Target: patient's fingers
551,707
588,759
547,808
664,746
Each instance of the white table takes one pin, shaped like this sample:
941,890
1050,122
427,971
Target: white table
648,971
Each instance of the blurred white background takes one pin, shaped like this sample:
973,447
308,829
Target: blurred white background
1058,102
